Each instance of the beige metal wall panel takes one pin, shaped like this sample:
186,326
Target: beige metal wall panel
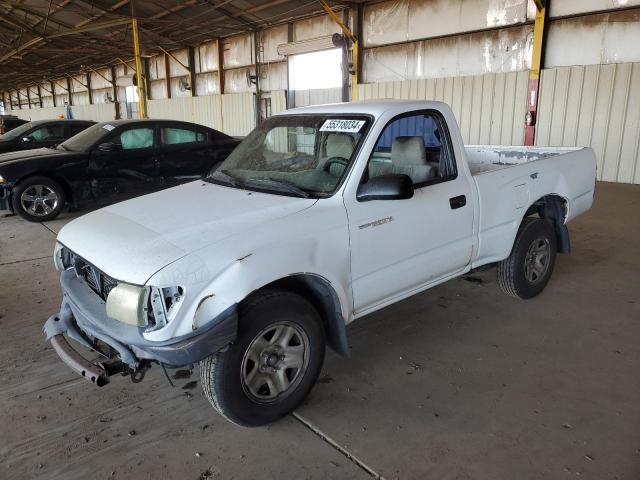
314,27
206,57
572,7
206,83
490,109
403,20
596,106
594,39
238,113
176,91
102,95
175,69
238,51
39,113
235,80
278,101
158,89
273,76
204,110
157,67
97,81
492,51
103,112
270,39
47,101
319,96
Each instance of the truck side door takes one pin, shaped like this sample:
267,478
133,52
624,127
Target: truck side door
400,246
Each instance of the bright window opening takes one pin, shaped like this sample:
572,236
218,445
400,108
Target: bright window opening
314,70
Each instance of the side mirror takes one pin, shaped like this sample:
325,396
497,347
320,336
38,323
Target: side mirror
386,187
108,147
27,139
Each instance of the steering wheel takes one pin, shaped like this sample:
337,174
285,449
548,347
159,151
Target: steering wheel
335,160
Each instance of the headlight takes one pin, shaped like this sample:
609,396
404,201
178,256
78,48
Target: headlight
1,179
58,260
152,307
127,303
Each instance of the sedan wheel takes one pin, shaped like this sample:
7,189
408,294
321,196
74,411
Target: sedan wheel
39,200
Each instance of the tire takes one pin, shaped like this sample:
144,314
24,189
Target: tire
38,199
526,272
232,380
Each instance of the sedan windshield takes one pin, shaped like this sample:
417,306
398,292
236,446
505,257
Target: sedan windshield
84,140
300,155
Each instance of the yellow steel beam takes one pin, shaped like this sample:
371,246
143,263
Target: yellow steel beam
142,94
538,38
354,49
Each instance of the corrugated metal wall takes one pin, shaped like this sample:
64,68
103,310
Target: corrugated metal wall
597,106
234,114
489,108
318,96
99,112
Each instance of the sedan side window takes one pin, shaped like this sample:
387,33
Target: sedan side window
173,136
417,146
136,138
49,132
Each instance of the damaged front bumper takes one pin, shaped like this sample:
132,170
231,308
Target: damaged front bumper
83,318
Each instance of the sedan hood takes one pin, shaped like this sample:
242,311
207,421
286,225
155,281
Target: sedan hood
132,240
20,155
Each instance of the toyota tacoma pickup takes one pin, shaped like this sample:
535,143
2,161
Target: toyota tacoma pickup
320,216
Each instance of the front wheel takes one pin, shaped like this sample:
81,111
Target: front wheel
38,199
273,364
526,272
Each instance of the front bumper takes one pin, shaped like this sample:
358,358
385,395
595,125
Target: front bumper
83,318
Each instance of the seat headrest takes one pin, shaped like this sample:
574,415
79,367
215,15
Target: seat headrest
339,145
408,151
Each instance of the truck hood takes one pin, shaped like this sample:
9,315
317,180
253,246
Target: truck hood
132,240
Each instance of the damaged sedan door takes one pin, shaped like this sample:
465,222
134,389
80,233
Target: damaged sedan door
126,164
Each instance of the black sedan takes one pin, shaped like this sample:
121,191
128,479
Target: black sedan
41,133
108,162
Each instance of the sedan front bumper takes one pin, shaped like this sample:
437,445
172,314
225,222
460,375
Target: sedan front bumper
83,318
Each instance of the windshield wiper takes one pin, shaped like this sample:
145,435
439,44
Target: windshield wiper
224,177
282,185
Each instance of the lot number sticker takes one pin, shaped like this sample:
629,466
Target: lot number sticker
341,125
108,127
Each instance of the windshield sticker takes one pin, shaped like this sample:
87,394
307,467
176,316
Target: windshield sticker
339,125
108,127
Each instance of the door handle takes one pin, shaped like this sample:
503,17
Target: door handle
457,202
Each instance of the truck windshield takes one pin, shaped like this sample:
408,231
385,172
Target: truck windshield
300,155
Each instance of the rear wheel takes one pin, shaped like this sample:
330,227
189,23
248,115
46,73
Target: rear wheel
38,199
529,267
271,367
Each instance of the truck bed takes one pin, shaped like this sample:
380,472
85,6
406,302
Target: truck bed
488,158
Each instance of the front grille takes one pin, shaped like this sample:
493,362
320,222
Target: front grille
97,280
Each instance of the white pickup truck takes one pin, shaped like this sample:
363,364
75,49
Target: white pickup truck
320,216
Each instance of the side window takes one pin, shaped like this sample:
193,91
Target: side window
416,145
135,138
49,132
173,136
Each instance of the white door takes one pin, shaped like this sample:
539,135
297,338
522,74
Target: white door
402,245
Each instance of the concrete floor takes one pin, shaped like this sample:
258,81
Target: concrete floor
460,382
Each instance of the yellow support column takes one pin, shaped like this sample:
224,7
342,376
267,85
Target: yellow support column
534,73
142,94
